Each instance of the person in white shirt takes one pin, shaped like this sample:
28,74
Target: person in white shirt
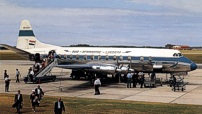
17,75
38,93
54,54
18,101
7,82
97,84
59,106
31,75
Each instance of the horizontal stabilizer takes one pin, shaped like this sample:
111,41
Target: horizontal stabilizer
20,52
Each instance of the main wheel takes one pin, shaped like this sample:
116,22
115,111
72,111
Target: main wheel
86,77
92,81
53,79
37,81
73,77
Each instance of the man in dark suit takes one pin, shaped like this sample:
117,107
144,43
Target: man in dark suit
38,92
59,106
5,73
18,101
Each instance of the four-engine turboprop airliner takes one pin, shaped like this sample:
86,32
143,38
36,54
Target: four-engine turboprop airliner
103,60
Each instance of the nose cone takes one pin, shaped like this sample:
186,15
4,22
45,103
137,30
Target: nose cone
193,66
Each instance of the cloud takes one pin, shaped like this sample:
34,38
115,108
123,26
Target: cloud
9,9
99,26
188,5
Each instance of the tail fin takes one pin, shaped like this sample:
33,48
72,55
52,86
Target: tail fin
26,37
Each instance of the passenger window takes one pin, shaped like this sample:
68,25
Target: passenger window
174,54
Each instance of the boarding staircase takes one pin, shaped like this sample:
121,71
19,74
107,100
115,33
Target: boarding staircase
47,69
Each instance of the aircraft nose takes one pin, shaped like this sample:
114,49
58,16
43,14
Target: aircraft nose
193,66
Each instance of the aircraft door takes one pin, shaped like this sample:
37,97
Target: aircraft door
31,57
37,57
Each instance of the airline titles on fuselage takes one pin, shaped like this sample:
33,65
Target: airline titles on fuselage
110,52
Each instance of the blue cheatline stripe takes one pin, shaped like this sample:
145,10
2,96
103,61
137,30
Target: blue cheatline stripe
26,33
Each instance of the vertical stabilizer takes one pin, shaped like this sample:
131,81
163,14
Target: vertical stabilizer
27,39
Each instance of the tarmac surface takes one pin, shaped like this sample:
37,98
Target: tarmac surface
109,90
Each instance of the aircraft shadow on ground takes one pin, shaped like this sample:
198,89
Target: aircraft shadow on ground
87,85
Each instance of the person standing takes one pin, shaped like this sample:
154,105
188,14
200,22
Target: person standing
33,100
135,80
174,82
31,75
7,82
142,80
54,54
17,75
18,101
59,106
97,84
129,76
38,92
5,73
153,76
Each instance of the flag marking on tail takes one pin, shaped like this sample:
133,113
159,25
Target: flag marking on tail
31,42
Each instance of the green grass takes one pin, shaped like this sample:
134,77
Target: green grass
190,51
10,56
196,58
82,105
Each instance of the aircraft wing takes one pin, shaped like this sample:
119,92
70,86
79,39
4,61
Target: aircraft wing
20,52
96,68
73,66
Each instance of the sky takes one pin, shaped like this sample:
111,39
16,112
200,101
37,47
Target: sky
104,22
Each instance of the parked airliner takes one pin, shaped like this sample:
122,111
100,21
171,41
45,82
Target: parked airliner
103,60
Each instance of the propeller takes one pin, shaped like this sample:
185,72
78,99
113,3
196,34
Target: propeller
175,65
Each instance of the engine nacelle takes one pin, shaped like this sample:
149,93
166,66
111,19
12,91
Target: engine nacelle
104,67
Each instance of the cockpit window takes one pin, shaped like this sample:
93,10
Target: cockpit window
177,54
180,54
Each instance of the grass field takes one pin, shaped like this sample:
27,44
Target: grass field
191,51
82,105
9,55
196,58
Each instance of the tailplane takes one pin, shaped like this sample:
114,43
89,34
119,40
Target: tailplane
27,39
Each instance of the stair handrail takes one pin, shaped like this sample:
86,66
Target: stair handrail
43,68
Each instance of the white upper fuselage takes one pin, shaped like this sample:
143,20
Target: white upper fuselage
136,52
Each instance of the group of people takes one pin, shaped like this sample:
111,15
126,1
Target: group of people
136,79
97,82
42,64
35,98
7,79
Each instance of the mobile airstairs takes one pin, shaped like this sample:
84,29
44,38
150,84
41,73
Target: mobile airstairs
43,74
